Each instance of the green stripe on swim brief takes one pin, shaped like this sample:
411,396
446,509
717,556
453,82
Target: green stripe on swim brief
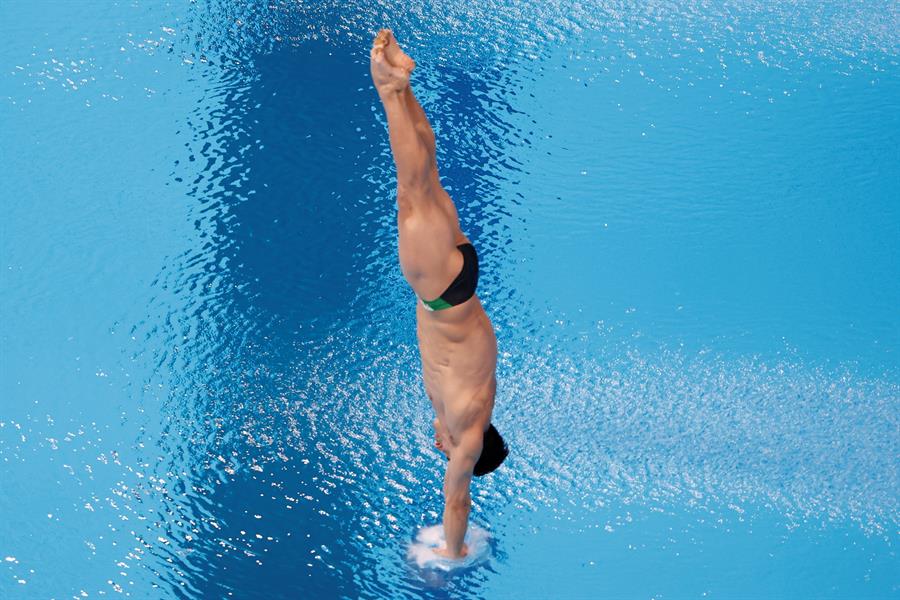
436,304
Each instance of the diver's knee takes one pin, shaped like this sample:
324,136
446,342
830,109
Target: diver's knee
412,191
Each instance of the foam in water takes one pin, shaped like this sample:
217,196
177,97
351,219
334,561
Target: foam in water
422,551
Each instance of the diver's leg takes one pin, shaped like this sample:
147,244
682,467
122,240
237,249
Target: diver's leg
422,124
411,157
398,58
424,248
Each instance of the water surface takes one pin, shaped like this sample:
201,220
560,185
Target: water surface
687,221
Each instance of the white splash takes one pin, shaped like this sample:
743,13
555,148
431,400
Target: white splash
421,552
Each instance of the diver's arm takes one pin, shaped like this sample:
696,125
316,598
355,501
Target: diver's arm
457,499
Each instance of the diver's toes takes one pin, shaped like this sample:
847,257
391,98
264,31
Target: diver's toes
381,39
395,54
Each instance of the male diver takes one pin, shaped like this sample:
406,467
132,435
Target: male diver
456,338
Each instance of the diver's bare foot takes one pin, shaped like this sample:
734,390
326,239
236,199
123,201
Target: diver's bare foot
386,77
394,53
381,40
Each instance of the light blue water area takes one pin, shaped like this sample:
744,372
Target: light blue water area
688,223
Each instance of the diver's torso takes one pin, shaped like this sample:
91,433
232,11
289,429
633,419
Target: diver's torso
459,359
457,344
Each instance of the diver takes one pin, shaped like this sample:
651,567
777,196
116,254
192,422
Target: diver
456,338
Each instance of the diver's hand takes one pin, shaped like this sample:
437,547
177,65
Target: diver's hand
438,439
444,553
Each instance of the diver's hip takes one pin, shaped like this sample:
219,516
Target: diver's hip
475,333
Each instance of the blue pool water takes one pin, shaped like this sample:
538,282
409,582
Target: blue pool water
688,218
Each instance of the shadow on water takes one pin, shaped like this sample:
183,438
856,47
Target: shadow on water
283,219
